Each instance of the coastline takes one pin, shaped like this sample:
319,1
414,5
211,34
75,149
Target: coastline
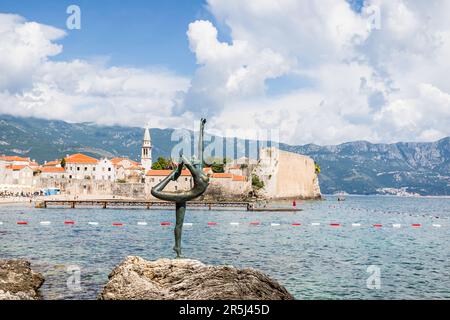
24,200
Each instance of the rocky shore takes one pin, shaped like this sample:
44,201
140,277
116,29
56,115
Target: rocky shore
18,281
167,279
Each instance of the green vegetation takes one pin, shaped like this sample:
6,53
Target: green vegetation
121,181
317,167
217,168
256,183
35,138
63,162
163,164
217,164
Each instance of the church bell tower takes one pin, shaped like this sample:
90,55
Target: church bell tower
146,153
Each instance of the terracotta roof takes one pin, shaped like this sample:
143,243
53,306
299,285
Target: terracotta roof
165,172
52,163
13,158
81,158
222,175
16,167
239,178
33,164
52,169
134,168
117,160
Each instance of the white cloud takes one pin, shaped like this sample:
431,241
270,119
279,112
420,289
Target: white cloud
386,84
31,84
341,80
227,72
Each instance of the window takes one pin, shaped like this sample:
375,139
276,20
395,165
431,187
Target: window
70,176
93,169
85,168
176,187
109,169
78,168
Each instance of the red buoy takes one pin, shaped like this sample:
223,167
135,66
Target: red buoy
377,225
117,224
165,223
295,224
69,222
212,223
22,222
335,224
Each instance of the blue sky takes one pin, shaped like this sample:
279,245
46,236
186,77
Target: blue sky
319,71
128,33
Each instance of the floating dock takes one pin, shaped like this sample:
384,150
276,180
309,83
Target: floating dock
158,205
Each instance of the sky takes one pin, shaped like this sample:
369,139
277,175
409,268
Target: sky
322,72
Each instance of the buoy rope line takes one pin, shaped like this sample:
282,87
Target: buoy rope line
335,225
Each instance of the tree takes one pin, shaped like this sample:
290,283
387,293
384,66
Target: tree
217,168
63,162
256,183
162,164
217,164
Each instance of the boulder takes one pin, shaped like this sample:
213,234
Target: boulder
18,281
169,279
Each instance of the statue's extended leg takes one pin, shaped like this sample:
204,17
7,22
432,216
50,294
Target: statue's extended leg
180,211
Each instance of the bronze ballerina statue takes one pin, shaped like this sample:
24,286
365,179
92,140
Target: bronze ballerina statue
180,198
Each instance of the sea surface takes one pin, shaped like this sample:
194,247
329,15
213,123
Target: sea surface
313,260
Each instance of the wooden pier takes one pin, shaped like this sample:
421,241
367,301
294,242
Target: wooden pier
158,205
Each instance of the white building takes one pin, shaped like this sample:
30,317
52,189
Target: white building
53,172
105,170
79,166
2,172
15,160
146,153
153,177
20,174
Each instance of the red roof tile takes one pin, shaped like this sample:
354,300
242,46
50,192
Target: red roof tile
165,172
239,178
81,158
52,163
16,167
13,158
222,175
52,169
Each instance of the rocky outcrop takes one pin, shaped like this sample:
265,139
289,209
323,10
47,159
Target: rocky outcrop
18,281
166,279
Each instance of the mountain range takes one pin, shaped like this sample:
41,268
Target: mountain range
358,167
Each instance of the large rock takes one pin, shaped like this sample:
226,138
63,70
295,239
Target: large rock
18,281
166,279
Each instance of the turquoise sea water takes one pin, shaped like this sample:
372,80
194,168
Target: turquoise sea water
311,261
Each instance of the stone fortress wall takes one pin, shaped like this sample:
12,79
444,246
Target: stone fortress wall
287,175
